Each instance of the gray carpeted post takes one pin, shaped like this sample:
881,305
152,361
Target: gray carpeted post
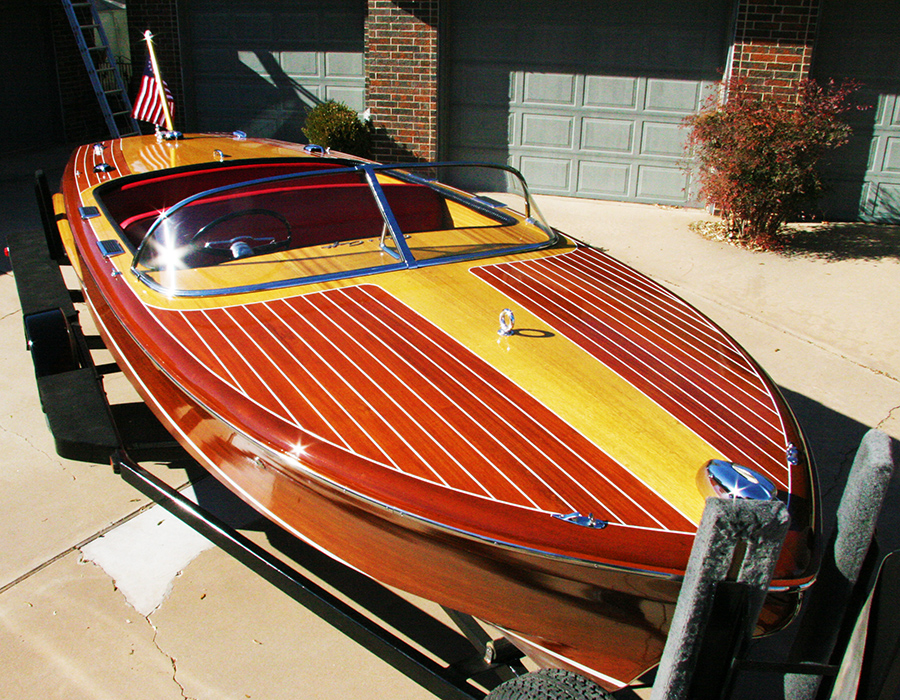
857,516
728,530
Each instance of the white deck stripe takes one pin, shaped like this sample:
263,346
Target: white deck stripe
336,436
336,403
399,357
705,344
362,398
191,328
635,285
518,429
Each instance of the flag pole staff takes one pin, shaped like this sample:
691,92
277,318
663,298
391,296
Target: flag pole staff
148,37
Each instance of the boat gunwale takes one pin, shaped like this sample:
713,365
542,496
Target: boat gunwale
292,471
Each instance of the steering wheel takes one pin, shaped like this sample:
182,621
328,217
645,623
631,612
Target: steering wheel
245,245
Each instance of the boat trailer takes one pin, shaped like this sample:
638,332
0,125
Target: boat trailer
708,645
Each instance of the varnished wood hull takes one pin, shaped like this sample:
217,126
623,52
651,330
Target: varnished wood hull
598,601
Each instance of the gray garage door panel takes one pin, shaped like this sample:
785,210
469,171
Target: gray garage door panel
881,192
586,101
260,67
602,136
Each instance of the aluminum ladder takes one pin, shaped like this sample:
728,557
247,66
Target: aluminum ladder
101,67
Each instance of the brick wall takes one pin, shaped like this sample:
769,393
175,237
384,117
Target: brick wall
401,78
773,43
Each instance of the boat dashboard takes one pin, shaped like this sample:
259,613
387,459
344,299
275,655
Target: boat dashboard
252,225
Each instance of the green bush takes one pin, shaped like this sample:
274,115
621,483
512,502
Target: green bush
758,156
334,125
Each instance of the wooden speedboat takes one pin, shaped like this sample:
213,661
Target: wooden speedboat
433,386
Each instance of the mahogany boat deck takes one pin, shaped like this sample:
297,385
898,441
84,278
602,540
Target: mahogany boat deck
440,413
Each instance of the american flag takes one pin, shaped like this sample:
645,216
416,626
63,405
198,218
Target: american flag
147,106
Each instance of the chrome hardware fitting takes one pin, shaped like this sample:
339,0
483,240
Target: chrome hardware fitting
218,155
98,150
584,520
792,455
507,322
315,149
728,480
238,135
103,168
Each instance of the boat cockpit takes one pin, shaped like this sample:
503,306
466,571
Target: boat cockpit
245,226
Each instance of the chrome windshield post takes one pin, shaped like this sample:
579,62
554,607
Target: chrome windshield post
391,227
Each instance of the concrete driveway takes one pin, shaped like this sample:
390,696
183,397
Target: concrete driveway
103,595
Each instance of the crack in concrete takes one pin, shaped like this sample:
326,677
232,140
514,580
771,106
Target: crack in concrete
51,457
172,660
889,417
841,474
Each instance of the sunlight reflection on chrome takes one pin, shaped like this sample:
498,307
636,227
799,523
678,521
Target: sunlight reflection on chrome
170,256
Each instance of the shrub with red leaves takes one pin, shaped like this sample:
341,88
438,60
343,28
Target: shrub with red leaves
757,156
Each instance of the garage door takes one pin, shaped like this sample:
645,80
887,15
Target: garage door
861,40
587,99
260,66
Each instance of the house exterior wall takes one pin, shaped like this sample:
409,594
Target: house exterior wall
772,49
773,46
261,67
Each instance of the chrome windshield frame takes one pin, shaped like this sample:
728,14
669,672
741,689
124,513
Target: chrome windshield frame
369,172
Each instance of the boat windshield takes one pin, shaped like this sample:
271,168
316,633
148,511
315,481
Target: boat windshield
341,222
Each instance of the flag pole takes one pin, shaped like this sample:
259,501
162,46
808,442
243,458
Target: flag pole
148,37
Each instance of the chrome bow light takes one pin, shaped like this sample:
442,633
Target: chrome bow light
728,480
